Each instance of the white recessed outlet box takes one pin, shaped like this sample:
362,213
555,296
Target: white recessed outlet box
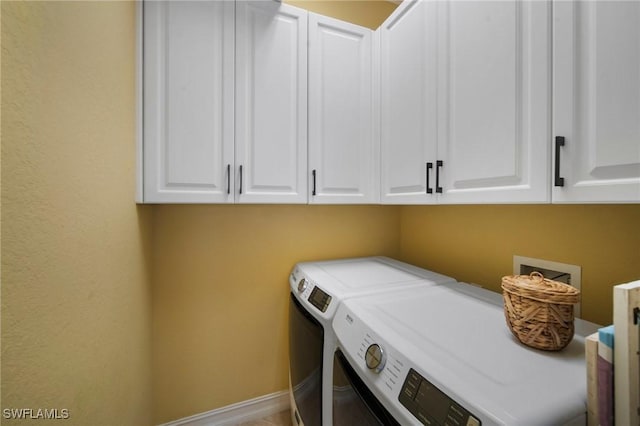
562,272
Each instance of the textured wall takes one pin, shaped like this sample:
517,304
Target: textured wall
477,244
76,302
221,293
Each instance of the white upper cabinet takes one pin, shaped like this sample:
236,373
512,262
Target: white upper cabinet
343,144
188,102
408,102
596,101
465,89
494,100
271,103
225,102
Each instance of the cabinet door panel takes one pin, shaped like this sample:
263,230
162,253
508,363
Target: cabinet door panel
494,98
188,101
597,100
342,146
271,102
408,102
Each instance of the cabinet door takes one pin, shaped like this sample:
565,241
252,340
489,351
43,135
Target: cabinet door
597,101
271,103
188,101
494,99
408,103
343,152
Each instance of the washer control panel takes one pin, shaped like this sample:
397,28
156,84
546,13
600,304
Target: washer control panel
430,405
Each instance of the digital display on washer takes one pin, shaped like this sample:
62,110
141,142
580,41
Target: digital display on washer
430,405
319,299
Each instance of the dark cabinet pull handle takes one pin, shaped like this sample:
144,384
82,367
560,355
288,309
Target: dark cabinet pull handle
558,180
228,178
313,189
439,164
429,167
240,179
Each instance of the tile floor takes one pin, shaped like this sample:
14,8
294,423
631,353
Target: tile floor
282,418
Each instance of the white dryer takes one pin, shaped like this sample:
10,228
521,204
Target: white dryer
317,289
443,355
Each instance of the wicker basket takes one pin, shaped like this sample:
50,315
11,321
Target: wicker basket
539,311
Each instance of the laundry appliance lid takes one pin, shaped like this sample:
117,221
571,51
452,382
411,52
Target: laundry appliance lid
345,277
455,335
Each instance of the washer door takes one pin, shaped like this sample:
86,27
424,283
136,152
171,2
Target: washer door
353,402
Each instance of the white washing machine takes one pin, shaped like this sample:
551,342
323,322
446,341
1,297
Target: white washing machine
317,289
443,355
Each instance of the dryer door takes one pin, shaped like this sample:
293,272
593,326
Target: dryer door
306,337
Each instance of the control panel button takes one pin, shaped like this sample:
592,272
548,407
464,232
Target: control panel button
411,384
375,358
302,285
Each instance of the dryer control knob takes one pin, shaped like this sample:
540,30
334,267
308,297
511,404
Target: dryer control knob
302,285
375,357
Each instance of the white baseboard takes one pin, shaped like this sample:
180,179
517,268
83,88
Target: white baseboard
245,411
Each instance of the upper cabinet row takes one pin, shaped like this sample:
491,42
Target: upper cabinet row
447,102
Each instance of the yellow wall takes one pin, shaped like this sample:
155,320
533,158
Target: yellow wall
220,295
368,14
76,302
477,244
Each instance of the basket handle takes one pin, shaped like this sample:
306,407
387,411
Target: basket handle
540,278
536,274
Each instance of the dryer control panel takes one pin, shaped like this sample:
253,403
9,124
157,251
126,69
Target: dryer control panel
303,284
319,299
430,405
